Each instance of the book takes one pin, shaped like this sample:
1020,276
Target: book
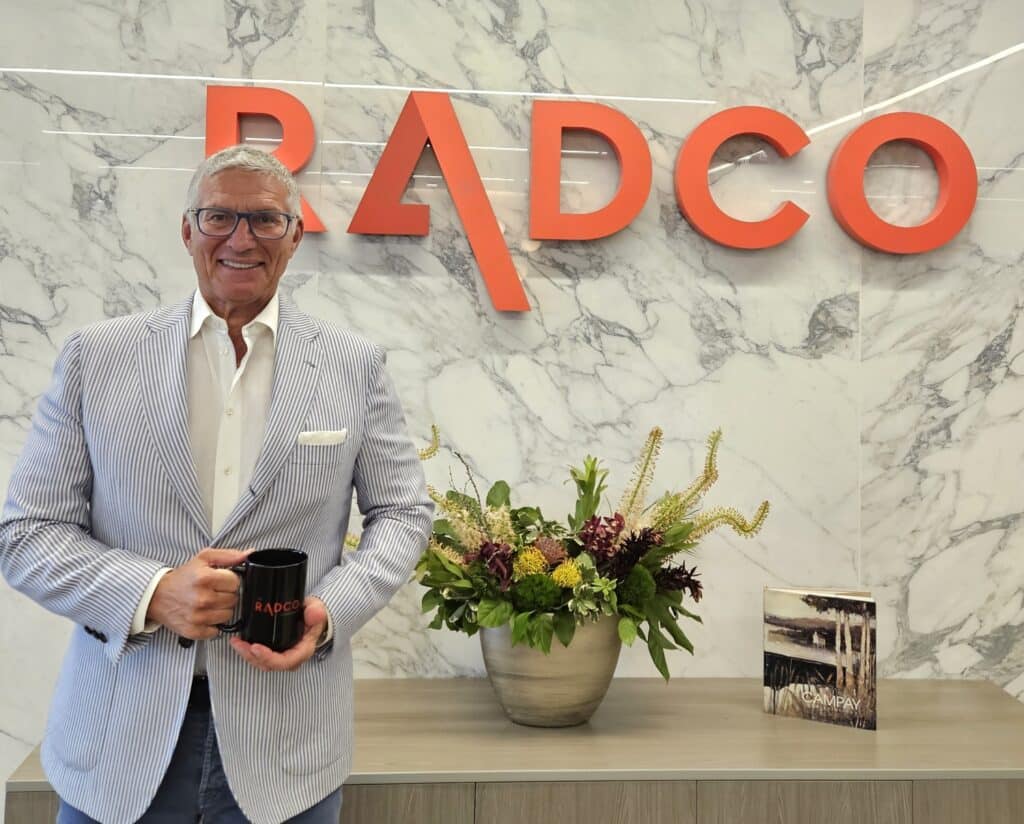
819,655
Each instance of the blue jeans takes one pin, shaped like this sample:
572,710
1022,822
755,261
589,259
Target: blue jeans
195,789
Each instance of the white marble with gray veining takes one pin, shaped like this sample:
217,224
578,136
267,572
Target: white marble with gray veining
874,400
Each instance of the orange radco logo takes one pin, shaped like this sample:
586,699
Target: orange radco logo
428,117
276,607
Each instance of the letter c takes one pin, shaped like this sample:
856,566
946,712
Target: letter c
691,175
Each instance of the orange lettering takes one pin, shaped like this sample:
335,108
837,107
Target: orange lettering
691,176
429,116
550,119
225,106
958,183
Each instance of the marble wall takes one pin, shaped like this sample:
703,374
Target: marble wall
874,400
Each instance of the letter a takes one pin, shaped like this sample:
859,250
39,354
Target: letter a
430,116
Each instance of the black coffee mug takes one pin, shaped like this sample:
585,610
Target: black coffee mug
272,594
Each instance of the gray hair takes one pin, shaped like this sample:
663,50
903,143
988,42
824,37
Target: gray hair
247,159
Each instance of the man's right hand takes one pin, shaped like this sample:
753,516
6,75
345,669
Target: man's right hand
192,599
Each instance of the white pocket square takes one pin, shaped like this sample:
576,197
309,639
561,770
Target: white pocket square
325,437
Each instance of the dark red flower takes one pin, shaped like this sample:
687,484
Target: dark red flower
497,558
599,536
630,551
680,578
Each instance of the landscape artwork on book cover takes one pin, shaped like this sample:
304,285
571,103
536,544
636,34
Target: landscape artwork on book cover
819,656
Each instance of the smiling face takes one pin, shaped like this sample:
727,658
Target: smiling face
238,274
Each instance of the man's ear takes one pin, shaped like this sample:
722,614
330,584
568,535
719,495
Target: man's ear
186,232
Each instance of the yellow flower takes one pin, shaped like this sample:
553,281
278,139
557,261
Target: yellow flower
567,574
528,562
727,516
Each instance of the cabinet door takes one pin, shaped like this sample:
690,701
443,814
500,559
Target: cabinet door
804,802
968,802
31,807
587,802
404,803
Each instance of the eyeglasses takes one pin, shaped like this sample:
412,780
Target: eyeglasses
214,222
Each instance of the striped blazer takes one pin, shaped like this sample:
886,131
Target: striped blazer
105,494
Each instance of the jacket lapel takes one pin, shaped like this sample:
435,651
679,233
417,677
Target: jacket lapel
162,365
297,362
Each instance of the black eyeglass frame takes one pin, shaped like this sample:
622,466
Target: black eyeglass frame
238,218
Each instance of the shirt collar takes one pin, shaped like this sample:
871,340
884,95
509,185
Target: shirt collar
201,312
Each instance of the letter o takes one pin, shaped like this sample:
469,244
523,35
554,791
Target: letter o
954,164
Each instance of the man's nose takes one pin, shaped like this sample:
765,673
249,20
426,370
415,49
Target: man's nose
242,237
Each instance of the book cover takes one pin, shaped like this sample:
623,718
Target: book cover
819,655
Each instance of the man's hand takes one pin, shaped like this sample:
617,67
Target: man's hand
315,617
192,599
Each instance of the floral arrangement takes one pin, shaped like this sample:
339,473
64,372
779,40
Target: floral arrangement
490,563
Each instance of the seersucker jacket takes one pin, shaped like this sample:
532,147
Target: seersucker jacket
104,494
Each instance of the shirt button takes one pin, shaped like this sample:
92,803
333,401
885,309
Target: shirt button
227,470
229,412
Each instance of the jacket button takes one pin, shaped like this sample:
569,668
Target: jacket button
102,637
90,631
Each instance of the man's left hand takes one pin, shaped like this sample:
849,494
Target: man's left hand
315,617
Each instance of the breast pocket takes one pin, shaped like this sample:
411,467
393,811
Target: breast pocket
321,446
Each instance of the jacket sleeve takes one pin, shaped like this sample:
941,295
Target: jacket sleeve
397,514
46,549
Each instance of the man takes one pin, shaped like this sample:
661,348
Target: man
169,443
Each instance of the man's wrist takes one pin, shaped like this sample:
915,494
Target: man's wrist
141,621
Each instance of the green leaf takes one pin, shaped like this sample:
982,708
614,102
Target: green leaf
431,600
498,496
520,625
659,608
632,612
589,489
565,627
677,535
655,557
689,614
659,637
657,653
627,631
493,613
450,566
464,501
443,531
541,631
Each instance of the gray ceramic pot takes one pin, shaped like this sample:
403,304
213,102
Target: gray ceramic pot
557,690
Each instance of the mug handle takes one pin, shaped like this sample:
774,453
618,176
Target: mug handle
236,625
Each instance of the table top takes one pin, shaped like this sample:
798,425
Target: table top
687,729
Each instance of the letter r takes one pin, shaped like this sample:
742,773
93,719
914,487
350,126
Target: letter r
225,106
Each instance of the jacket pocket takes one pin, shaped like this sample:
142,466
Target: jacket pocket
80,710
315,734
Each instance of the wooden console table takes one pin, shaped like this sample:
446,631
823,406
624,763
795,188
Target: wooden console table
694,750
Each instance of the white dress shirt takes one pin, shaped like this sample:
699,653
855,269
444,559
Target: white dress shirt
227,413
